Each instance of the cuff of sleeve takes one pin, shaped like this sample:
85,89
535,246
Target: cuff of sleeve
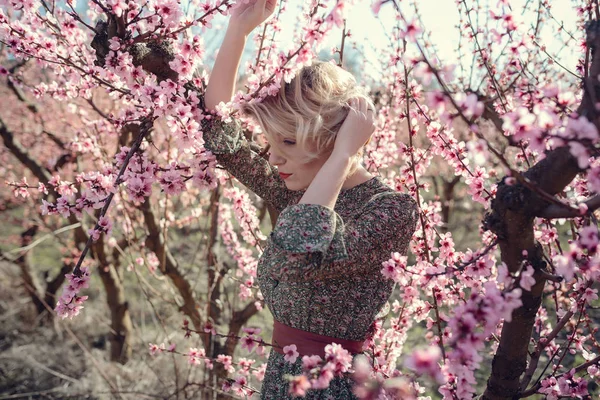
221,137
311,228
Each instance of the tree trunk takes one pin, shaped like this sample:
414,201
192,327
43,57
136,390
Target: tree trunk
511,218
121,327
120,320
29,278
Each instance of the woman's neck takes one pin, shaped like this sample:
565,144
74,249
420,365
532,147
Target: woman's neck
359,176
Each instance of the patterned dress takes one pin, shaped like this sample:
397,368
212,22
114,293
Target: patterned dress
321,269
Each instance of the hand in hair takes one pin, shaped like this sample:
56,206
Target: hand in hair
248,14
357,128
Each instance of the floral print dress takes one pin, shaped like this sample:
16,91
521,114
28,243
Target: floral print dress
321,269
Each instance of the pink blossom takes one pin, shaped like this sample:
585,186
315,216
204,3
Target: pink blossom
21,191
394,268
580,152
550,388
337,14
590,295
63,207
310,362
470,105
376,6
412,31
290,353
593,178
155,348
227,363
581,128
504,275
138,189
195,356
588,237
324,376
425,362
527,279
339,358
105,225
259,373
298,386
565,266
171,182
239,384
169,11
70,303
248,342
245,365
252,330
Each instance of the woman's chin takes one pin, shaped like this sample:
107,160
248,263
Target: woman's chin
292,186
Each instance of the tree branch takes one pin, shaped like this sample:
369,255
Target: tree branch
169,267
512,216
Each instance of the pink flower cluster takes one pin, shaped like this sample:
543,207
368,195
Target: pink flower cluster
104,225
582,258
246,215
251,341
70,302
473,322
197,356
394,268
426,362
461,307
318,372
565,386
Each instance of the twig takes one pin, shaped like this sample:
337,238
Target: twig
145,128
553,211
38,241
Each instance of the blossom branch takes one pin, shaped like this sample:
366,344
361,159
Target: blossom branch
145,129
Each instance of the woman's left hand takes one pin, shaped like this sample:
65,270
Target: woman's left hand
357,128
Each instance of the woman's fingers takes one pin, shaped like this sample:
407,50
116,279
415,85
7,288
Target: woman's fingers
250,15
270,6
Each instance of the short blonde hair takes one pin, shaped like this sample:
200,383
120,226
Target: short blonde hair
312,106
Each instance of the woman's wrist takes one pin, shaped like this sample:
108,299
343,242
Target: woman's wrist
342,154
326,185
235,31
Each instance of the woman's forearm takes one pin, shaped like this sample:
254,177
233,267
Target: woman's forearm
221,83
327,184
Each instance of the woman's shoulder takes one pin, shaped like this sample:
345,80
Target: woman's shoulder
385,196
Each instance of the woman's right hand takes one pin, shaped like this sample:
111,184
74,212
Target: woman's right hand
247,16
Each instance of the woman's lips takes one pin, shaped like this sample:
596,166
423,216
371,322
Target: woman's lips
284,176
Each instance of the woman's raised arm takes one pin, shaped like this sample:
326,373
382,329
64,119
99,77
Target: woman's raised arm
244,18
226,140
221,83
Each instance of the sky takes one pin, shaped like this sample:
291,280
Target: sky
439,17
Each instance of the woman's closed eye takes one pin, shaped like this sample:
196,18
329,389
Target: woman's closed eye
288,142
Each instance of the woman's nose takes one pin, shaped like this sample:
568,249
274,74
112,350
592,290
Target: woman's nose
274,158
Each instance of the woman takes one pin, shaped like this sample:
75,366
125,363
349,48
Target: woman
320,270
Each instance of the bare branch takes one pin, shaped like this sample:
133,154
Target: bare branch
553,211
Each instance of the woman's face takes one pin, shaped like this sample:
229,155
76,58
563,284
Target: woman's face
290,161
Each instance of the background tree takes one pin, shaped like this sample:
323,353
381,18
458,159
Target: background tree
103,147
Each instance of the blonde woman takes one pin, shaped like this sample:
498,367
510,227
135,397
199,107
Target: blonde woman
320,270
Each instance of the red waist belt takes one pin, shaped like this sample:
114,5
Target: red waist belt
308,343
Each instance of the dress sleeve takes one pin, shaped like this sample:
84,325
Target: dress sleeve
311,242
241,158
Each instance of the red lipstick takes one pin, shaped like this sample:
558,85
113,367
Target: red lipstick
284,176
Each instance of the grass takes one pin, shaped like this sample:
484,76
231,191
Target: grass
68,359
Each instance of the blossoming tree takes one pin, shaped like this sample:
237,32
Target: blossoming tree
518,130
